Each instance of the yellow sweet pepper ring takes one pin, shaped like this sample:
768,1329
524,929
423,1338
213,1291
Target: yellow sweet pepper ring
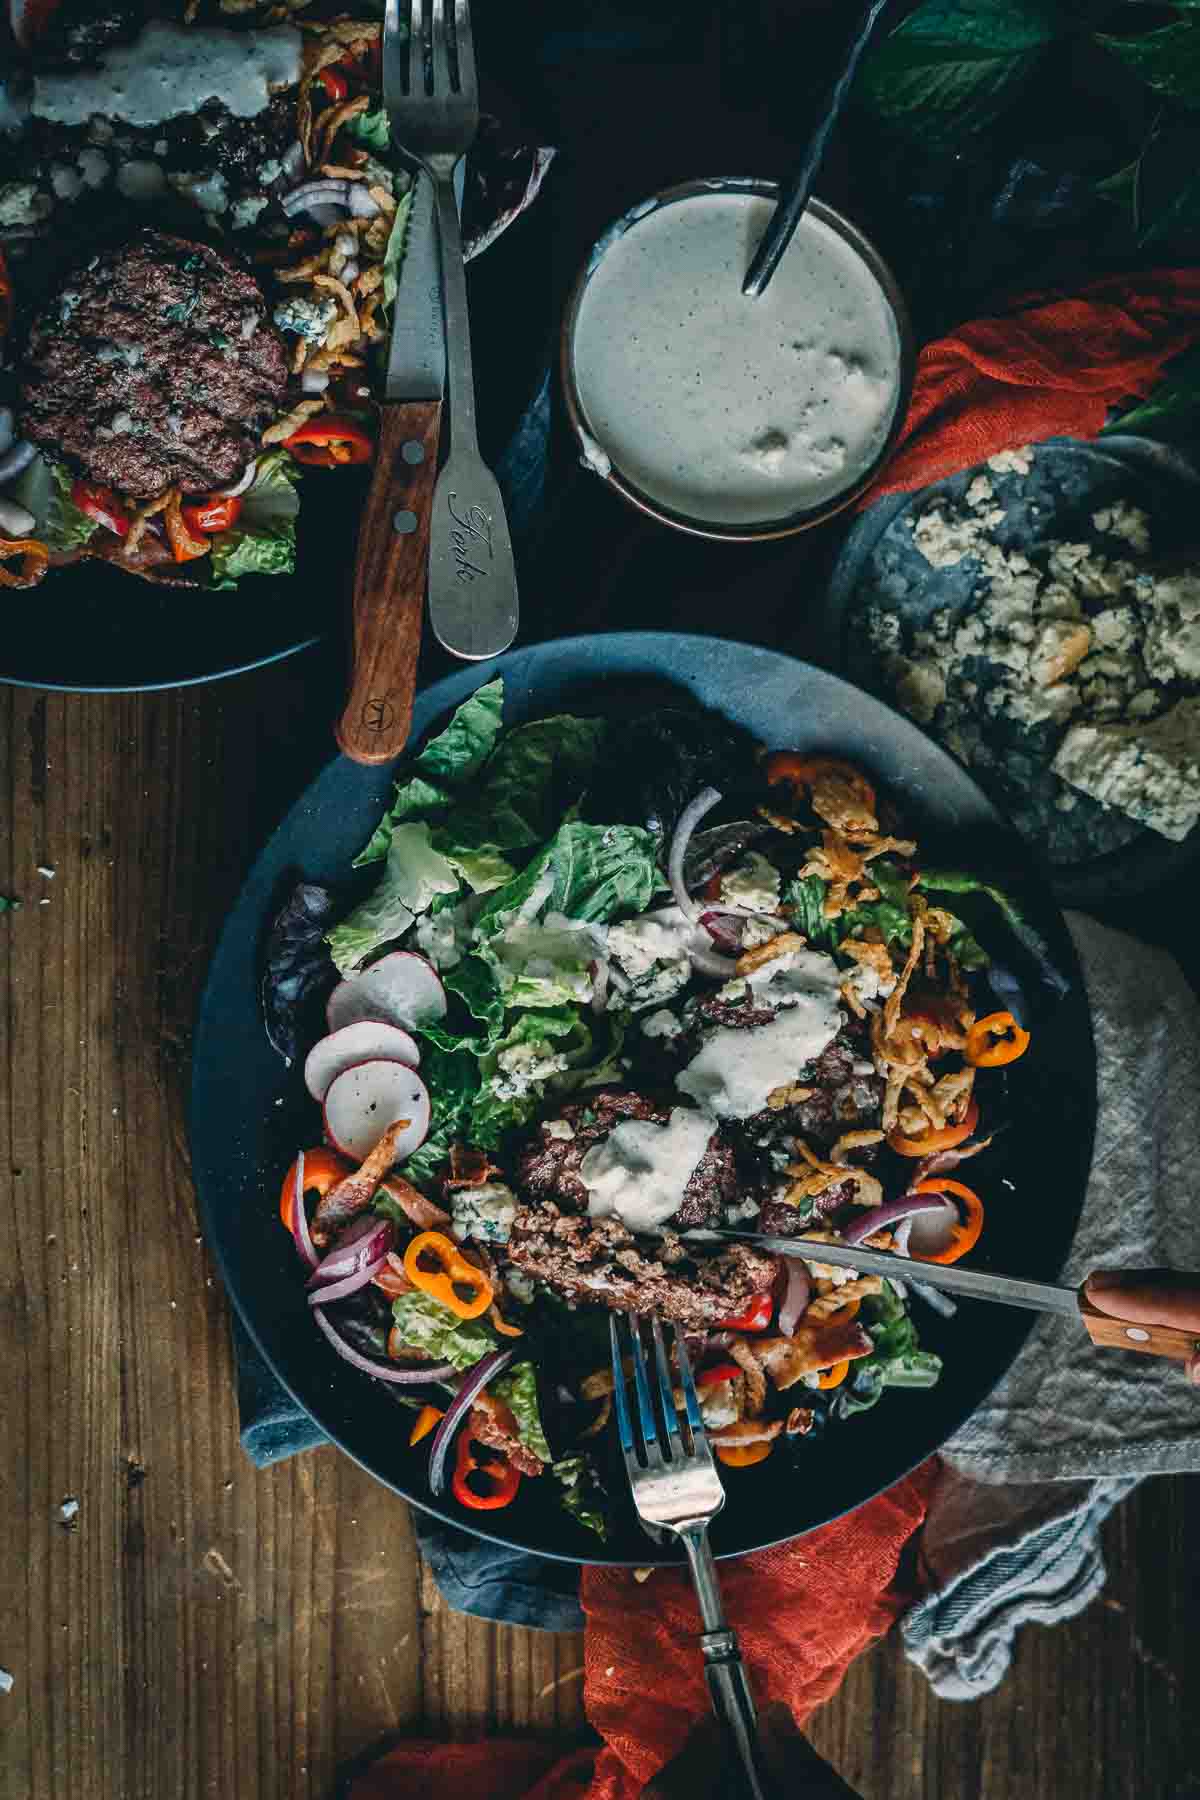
433,1263
995,1041
834,1376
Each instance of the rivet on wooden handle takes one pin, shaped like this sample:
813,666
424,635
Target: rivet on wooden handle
390,575
1129,1334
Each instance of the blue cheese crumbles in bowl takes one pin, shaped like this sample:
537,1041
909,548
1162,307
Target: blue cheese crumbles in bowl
723,415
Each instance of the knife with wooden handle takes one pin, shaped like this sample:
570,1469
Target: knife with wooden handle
1036,1296
391,569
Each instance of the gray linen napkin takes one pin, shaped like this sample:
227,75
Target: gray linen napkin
1070,1436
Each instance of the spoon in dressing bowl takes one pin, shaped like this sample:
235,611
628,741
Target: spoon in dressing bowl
794,198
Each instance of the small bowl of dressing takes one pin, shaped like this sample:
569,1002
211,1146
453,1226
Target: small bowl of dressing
721,415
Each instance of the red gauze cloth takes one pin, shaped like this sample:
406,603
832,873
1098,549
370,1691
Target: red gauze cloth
1048,368
803,1612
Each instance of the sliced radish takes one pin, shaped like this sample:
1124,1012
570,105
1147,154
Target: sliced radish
400,989
363,1101
370,1040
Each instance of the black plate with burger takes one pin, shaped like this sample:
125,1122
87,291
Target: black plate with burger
202,230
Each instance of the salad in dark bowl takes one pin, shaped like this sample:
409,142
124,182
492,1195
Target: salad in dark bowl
582,1005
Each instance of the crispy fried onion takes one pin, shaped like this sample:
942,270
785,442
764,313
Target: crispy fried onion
814,1176
788,1095
756,1381
745,1431
355,35
868,955
332,120
844,799
813,1347
292,421
784,945
827,1306
854,1140
35,560
891,1011
148,510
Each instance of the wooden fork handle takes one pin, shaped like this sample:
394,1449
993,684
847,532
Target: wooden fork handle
390,574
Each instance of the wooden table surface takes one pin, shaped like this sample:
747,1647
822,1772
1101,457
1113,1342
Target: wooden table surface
199,1628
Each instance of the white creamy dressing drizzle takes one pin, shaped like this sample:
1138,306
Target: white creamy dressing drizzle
173,69
640,1170
733,1074
722,408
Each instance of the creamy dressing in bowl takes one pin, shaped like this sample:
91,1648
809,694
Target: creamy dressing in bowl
725,411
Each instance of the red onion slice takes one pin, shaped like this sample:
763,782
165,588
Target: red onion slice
929,1237
890,1213
721,968
328,191
367,1240
381,1371
689,818
473,1384
350,1284
796,1297
244,480
723,927
301,1236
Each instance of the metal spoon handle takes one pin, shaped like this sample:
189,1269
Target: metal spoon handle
798,191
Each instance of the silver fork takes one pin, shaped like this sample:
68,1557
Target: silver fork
677,1489
433,99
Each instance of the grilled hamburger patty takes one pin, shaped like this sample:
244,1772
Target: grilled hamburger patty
156,366
548,1167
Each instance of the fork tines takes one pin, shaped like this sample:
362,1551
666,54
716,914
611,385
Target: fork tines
657,1439
441,50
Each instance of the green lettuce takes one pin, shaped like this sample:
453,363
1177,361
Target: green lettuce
889,915
425,1324
373,130
510,1090
587,872
954,881
896,1360
517,1388
452,1078
44,489
481,866
430,783
263,542
393,255
582,1495
414,875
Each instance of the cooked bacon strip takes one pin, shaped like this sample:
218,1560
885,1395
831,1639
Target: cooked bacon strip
787,1360
492,1423
355,1192
756,1381
469,1167
745,1431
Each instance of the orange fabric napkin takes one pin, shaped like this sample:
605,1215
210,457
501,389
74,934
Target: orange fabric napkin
1045,368
803,1612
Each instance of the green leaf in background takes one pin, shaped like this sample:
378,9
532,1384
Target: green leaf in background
1159,193
1166,60
425,1324
447,763
517,1388
1176,398
953,65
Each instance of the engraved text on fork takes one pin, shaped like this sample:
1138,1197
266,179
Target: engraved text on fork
472,535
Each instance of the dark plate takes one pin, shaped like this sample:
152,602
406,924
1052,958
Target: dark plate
249,1116
92,628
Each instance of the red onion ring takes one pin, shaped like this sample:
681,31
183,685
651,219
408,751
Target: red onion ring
721,968
244,480
381,1372
796,1297
301,1236
689,818
327,191
367,1240
350,1284
473,1384
890,1213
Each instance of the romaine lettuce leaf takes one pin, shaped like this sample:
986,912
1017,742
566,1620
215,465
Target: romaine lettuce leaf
263,542
519,1069
448,763
452,1077
44,489
393,256
481,866
587,872
517,1388
425,1324
373,130
414,875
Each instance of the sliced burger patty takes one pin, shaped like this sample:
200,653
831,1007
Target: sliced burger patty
155,366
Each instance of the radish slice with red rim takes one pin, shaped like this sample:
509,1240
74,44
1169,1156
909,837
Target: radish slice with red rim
364,1100
367,1040
400,989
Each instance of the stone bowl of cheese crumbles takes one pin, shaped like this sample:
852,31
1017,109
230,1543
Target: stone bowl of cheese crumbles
1040,615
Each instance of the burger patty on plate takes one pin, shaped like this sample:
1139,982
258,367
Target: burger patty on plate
155,366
